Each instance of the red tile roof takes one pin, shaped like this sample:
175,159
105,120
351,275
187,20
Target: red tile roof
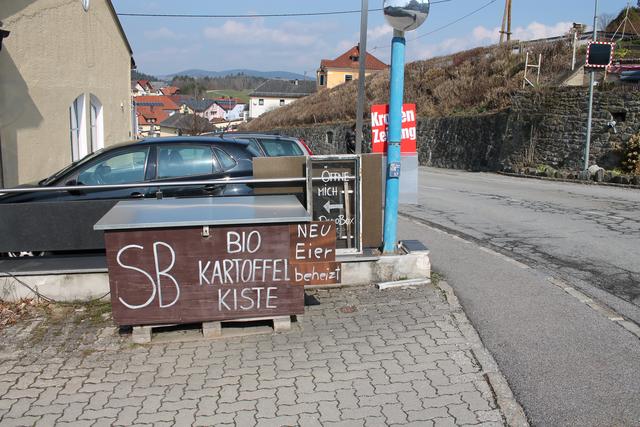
147,115
349,59
167,102
154,107
145,84
169,90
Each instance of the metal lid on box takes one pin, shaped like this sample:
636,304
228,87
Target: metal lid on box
189,212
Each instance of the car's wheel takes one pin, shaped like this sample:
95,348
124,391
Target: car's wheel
24,254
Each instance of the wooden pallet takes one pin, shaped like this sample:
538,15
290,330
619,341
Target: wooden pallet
211,330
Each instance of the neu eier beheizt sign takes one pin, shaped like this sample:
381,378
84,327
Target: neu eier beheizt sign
182,275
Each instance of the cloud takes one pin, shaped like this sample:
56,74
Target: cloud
380,31
162,33
256,33
483,36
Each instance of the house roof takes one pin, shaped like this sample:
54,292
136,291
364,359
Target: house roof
148,114
144,83
169,90
187,122
226,104
349,59
285,89
167,103
198,105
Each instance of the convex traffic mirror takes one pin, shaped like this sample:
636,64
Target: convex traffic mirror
406,15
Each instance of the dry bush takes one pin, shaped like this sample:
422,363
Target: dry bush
631,155
475,81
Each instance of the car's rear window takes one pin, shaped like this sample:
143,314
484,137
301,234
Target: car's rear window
280,147
225,159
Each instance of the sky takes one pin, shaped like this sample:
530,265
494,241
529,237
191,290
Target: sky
164,45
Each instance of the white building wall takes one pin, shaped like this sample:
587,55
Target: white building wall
256,110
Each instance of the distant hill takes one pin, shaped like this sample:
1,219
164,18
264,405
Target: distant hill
137,75
253,73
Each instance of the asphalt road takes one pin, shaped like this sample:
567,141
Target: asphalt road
566,363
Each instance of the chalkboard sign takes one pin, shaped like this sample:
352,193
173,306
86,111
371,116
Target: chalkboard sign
335,187
194,274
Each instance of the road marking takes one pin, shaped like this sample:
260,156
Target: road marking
609,313
432,188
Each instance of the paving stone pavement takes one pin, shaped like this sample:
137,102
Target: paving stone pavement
362,357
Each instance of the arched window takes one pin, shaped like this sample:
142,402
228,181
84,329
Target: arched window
86,125
96,121
77,126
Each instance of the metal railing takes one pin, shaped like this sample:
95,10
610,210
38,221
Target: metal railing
225,181
152,184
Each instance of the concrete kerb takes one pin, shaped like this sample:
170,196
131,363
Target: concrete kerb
573,181
513,413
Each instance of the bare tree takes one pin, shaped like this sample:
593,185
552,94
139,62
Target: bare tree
198,125
604,20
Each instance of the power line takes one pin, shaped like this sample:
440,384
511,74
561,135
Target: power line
457,20
254,15
445,25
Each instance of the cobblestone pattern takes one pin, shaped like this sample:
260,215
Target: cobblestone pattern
362,357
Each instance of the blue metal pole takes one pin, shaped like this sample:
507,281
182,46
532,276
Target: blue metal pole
393,142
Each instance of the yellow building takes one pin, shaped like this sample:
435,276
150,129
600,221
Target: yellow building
344,68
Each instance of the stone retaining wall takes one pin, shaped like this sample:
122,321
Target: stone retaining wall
543,127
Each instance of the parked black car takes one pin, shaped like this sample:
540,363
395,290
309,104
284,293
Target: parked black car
152,160
61,222
271,145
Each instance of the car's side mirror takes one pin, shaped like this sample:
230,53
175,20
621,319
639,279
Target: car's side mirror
73,183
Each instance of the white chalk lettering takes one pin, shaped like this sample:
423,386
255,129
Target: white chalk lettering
270,297
202,272
221,298
244,296
247,299
144,273
326,276
329,176
243,242
164,273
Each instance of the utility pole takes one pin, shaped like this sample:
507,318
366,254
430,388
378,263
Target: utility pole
506,22
362,59
592,80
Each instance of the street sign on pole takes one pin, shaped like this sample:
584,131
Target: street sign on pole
592,80
408,147
380,131
600,54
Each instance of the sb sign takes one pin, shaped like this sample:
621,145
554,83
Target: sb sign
599,54
379,128
161,276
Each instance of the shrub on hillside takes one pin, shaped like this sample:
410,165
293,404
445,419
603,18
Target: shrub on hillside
631,156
